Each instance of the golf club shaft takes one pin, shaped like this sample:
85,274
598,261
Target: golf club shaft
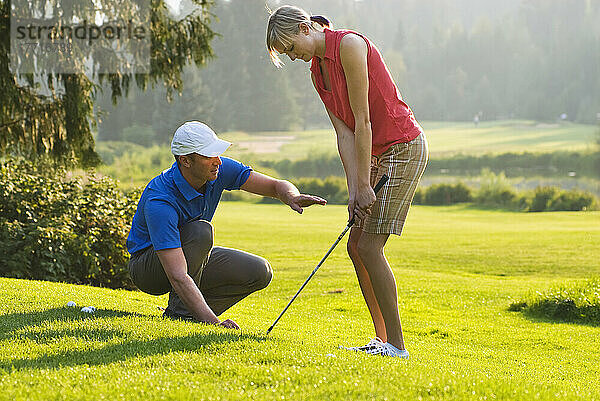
380,184
309,277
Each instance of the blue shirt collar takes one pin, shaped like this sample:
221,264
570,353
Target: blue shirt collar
184,187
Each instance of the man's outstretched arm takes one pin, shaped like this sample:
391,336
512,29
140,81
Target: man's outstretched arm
285,191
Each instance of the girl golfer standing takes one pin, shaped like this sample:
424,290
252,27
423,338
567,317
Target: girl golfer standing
376,134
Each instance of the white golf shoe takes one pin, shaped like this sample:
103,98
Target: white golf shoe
389,350
373,347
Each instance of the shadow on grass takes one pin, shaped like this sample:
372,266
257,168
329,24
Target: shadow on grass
549,320
570,315
102,354
16,321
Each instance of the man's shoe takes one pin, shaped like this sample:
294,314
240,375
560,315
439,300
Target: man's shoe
389,350
169,314
375,346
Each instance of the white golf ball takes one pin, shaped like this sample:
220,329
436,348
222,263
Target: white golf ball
71,304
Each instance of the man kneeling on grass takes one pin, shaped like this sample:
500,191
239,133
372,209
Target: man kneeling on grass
171,237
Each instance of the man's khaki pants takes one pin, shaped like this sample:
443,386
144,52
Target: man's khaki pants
223,275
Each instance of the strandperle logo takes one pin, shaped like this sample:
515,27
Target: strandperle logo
84,31
76,36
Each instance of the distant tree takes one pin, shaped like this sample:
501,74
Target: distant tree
400,37
193,103
598,150
450,59
248,92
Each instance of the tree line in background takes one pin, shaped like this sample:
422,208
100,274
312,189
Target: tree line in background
517,59
529,59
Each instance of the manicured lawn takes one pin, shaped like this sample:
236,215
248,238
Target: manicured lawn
134,165
444,138
507,136
458,269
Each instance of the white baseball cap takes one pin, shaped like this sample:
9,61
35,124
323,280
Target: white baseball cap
197,137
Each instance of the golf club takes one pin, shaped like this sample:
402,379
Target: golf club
378,186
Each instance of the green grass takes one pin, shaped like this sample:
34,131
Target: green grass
575,303
444,138
280,145
458,270
134,165
507,136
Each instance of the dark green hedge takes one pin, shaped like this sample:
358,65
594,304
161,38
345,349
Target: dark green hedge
447,194
494,193
63,229
316,165
549,198
527,164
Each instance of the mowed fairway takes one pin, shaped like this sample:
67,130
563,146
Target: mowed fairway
445,138
457,268
508,136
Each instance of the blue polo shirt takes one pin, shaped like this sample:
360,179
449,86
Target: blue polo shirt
169,201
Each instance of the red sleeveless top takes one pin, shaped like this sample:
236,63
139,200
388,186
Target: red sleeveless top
392,121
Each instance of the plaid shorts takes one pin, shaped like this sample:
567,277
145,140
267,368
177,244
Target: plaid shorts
404,163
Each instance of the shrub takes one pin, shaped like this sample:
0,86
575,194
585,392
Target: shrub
573,200
577,303
419,197
136,166
447,194
63,229
502,198
109,151
316,165
333,189
496,191
524,201
555,199
542,198
527,164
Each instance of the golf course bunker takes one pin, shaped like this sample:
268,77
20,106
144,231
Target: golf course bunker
265,144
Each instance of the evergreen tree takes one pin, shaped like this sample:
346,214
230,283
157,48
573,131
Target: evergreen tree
59,125
248,92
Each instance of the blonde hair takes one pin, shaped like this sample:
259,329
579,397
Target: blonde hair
285,23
